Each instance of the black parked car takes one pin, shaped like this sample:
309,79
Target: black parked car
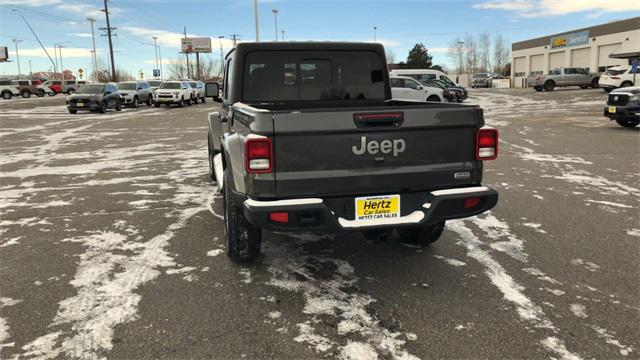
95,97
623,106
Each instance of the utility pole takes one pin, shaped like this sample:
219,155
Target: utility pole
160,60
57,46
221,56
36,36
187,54
275,17
30,71
255,15
282,31
235,37
155,48
60,47
93,52
16,41
109,28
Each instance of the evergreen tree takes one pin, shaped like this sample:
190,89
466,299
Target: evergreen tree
419,58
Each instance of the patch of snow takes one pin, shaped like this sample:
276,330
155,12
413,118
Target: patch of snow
246,275
633,232
555,292
180,270
557,346
578,310
452,262
275,315
593,267
609,203
535,226
609,339
358,351
214,252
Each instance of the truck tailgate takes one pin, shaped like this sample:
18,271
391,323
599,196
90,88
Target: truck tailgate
375,150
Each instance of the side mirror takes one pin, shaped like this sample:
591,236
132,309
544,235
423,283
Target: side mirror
212,90
420,87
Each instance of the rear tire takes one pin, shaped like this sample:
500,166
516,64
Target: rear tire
626,84
40,93
549,86
103,108
242,238
628,123
421,235
26,94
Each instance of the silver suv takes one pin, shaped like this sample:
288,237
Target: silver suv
71,86
135,92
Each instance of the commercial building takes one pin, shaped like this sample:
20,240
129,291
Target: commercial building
596,48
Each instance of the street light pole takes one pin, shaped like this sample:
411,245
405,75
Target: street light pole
275,16
255,15
160,60
56,46
16,41
93,53
155,49
221,56
282,31
36,36
61,66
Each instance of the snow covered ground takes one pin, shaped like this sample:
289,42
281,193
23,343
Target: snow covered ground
112,246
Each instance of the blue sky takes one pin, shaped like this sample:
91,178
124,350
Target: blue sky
400,24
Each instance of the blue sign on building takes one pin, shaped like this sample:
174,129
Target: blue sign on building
571,39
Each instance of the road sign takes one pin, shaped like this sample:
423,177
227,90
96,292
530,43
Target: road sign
156,72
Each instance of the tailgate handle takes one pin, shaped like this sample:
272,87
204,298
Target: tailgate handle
377,120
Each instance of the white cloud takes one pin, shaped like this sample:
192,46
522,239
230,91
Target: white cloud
438,50
33,3
542,8
164,61
87,9
82,35
66,52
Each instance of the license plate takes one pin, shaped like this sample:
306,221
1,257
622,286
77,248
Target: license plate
377,207
612,109
80,104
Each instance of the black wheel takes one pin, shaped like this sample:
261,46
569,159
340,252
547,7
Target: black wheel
538,88
433,98
204,99
7,95
26,94
103,108
190,101
40,93
156,104
421,235
149,102
626,84
181,103
595,82
135,102
549,85
242,238
71,91
583,86
72,111
628,123
118,106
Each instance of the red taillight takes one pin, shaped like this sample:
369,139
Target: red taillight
279,217
258,155
486,144
470,203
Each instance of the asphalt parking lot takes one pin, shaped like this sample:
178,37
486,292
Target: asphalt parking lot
112,246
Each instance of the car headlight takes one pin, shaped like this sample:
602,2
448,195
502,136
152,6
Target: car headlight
634,98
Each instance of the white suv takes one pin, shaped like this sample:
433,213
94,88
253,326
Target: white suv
173,92
405,88
618,76
198,91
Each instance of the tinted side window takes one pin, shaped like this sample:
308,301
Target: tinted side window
396,83
410,84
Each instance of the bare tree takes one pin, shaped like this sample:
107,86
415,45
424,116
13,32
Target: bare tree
484,42
391,56
456,54
471,53
209,68
501,54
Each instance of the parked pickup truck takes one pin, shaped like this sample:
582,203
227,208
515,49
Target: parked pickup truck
564,77
308,139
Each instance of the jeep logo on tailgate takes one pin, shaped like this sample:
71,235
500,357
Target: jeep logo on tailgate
373,147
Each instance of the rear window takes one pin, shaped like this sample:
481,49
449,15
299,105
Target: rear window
612,72
312,75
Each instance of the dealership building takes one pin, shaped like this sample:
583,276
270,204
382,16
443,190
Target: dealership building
596,48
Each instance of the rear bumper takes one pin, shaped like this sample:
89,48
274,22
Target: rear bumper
315,214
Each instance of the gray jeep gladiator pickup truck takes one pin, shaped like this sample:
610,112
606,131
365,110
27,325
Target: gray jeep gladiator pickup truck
308,139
